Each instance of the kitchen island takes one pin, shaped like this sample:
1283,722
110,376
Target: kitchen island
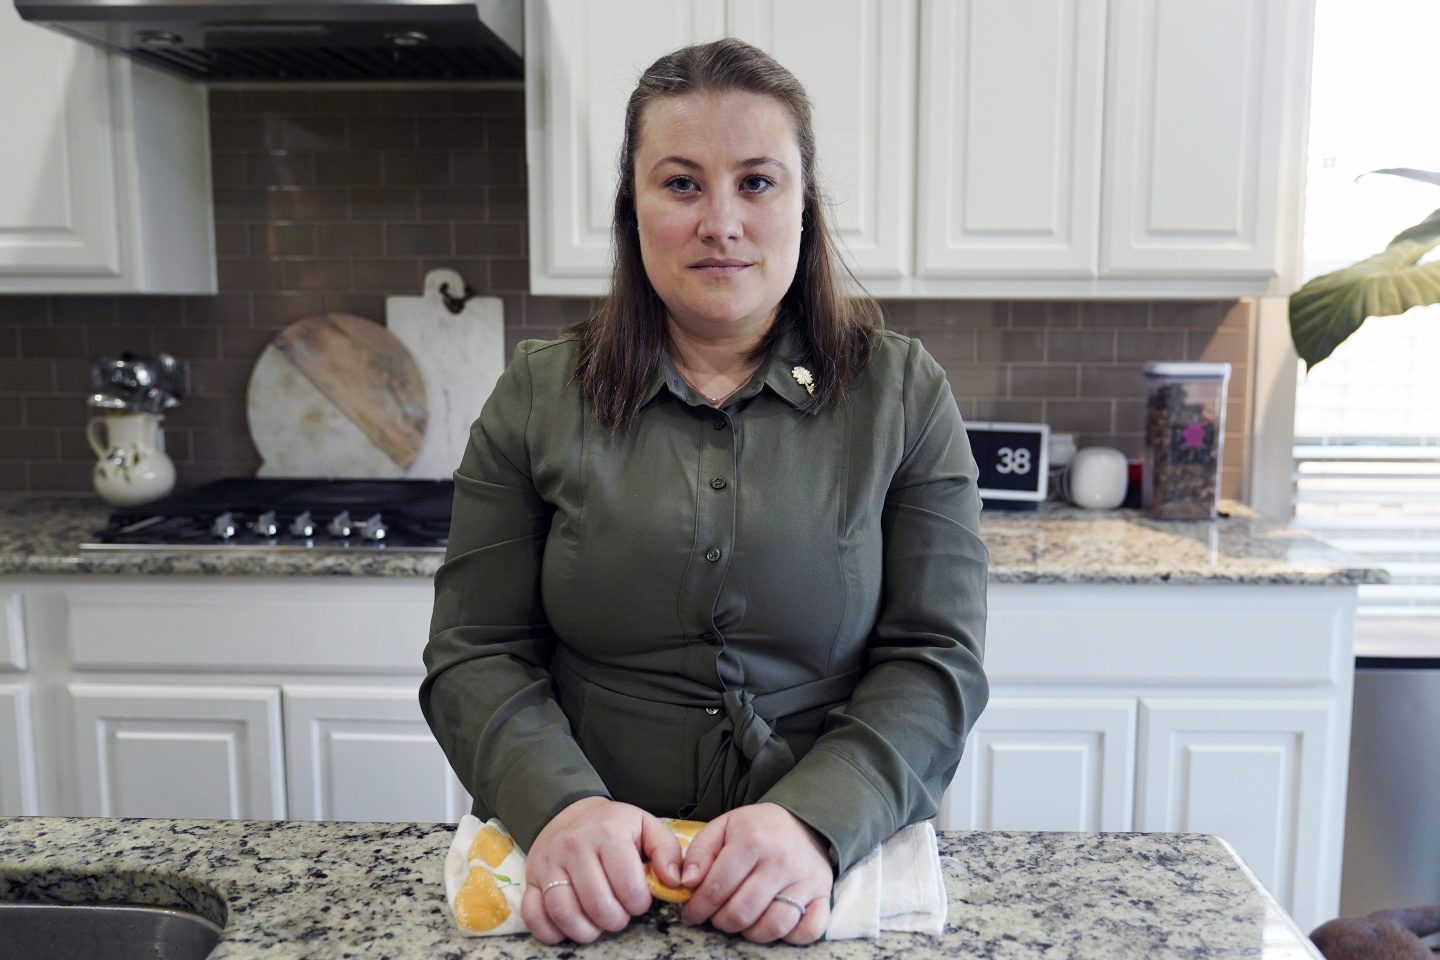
1169,676
294,889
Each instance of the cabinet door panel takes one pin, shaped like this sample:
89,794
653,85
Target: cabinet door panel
366,753
13,654
854,58
582,60
1252,772
58,200
18,774
1010,135
1046,764
1198,124
178,751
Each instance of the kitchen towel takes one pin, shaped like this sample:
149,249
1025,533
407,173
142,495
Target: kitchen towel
897,886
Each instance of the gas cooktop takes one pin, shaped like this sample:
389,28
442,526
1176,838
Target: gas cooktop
282,513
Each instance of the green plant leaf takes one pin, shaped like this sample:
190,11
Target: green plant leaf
1332,306
1410,173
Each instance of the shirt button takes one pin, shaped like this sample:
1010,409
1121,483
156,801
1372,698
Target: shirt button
718,483
718,423
709,638
712,554
712,710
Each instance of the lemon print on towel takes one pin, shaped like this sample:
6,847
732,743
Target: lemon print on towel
480,905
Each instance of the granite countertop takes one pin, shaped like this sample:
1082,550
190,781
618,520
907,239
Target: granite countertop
320,890
1054,544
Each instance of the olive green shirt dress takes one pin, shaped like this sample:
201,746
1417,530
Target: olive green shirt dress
716,606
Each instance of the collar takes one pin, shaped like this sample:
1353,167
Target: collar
785,354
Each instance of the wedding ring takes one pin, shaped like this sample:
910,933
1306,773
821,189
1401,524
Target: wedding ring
552,884
781,898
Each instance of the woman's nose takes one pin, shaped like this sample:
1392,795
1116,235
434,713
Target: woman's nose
720,218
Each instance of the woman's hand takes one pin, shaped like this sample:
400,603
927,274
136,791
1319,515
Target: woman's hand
599,846
743,860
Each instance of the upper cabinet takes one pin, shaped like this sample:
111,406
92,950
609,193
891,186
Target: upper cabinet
106,185
856,60
1044,148
1010,130
1204,155
581,62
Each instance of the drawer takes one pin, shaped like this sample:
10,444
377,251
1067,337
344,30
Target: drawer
305,624
1185,633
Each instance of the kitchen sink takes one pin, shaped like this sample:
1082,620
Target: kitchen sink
53,931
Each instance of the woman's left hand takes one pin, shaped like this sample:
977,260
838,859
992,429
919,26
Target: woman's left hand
743,860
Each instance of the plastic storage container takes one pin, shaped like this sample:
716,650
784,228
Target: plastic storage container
1184,438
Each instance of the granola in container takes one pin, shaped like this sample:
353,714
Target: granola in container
1184,438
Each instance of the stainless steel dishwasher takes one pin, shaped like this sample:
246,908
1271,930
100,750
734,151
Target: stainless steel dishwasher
1392,817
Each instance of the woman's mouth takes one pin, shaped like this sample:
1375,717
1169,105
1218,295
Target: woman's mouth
720,268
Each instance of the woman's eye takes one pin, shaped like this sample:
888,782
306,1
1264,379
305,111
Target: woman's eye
757,184
680,185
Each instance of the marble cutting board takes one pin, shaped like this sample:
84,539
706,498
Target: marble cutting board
336,395
461,355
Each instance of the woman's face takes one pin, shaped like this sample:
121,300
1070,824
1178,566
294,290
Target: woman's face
718,198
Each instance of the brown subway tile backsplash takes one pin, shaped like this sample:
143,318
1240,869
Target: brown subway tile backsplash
350,169
384,204
416,169
1056,380
417,239
333,200
286,168
1141,345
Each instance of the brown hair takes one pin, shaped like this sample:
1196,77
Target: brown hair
620,344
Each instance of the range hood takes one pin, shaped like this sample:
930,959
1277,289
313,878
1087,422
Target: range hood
257,40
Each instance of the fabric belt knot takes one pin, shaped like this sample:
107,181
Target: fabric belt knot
746,759
742,754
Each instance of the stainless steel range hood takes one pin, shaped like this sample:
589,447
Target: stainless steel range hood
253,40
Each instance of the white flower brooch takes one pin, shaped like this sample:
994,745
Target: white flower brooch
803,377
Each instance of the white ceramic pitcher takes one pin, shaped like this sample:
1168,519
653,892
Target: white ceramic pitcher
133,467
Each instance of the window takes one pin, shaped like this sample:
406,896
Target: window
1367,419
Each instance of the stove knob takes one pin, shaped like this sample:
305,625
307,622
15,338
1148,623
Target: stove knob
340,526
373,529
265,525
302,526
223,526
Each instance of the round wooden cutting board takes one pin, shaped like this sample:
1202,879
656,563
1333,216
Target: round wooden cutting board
336,395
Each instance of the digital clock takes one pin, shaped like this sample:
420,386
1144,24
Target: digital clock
1014,461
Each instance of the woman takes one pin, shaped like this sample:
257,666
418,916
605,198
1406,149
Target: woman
715,554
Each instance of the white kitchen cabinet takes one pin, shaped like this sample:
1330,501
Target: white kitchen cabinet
1010,135
1205,142
582,58
19,795
105,184
177,750
221,696
1051,763
1210,708
365,753
855,59
1046,148
1256,772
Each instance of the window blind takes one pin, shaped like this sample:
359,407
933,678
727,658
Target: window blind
1367,465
